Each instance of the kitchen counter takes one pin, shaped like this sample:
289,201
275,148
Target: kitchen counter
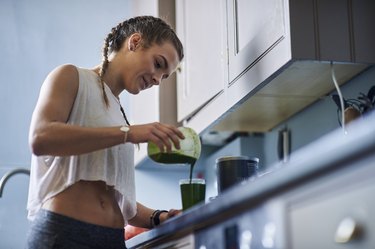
328,154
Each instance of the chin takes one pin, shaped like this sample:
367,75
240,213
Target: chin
138,91
133,91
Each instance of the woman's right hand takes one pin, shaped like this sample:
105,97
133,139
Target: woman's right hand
162,135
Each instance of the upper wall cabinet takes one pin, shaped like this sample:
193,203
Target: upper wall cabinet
279,54
316,33
254,27
257,38
363,28
333,30
201,76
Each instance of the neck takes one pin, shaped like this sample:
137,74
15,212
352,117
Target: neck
109,80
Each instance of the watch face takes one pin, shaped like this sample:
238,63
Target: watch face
124,128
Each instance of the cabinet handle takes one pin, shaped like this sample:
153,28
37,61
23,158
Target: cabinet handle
347,230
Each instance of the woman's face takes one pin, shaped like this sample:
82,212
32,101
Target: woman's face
142,68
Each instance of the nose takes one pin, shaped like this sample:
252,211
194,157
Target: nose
156,79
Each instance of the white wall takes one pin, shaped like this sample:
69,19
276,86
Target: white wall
36,36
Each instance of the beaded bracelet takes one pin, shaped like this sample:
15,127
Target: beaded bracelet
155,217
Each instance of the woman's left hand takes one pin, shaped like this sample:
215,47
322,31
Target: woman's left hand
171,213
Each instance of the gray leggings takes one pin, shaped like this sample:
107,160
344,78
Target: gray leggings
54,231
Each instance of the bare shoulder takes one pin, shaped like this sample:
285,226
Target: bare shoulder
59,91
62,79
67,68
66,73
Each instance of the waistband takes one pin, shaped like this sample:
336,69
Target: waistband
66,228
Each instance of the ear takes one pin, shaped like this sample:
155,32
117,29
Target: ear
134,41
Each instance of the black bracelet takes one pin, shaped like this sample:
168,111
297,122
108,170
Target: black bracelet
155,217
152,218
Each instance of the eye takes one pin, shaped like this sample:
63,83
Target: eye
157,64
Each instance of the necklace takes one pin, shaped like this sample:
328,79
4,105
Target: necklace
122,111
118,101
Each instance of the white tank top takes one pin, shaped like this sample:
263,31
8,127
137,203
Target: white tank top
51,175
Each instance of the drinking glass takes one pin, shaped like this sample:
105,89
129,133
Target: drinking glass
193,191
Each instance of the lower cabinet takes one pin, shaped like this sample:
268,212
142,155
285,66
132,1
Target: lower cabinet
258,228
327,206
340,220
332,211
186,242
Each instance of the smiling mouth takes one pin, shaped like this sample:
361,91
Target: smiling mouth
145,84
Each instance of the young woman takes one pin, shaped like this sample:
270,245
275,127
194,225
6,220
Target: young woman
82,190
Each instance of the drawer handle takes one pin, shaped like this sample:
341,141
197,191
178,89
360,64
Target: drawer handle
347,230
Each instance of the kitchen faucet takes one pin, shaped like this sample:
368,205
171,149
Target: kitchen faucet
6,177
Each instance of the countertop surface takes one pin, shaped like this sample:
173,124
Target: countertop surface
317,158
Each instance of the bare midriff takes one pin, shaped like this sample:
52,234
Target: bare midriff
89,201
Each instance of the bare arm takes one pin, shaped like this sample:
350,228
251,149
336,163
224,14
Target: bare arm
51,135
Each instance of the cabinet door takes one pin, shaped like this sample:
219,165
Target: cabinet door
144,107
201,28
364,35
254,27
341,221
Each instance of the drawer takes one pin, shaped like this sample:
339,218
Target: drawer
341,220
186,242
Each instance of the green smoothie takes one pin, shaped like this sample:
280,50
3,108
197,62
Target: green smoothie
175,158
193,191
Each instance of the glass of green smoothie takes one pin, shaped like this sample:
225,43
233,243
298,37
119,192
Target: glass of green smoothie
193,191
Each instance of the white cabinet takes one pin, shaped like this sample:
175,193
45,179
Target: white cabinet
202,75
144,108
254,27
277,60
157,104
276,74
256,44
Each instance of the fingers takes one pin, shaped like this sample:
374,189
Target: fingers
173,212
163,135
166,135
